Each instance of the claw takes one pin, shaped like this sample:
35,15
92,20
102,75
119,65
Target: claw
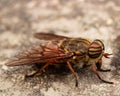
106,55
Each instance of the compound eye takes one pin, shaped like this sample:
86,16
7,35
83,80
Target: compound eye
95,50
100,43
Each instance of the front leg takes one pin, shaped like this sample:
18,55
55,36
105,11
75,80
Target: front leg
95,71
99,64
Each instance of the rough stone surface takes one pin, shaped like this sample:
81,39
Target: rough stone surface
91,19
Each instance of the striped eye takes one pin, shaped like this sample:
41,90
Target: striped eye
95,49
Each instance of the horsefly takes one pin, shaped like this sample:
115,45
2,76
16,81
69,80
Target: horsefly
63,50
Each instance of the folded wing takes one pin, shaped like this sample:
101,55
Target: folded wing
49,36
38,54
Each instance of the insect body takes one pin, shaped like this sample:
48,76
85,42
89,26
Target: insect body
66,50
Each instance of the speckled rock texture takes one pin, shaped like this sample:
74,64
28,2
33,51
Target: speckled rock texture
92,19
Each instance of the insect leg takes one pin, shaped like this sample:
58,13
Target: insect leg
95,71
99,64
73,72
41,69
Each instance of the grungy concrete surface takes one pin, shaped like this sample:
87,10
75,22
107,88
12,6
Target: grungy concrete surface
92,19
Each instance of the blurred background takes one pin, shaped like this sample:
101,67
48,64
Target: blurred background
92,19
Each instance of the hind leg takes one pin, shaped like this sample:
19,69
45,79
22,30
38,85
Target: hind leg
40,70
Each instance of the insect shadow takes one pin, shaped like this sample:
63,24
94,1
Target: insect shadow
55,73
116,59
